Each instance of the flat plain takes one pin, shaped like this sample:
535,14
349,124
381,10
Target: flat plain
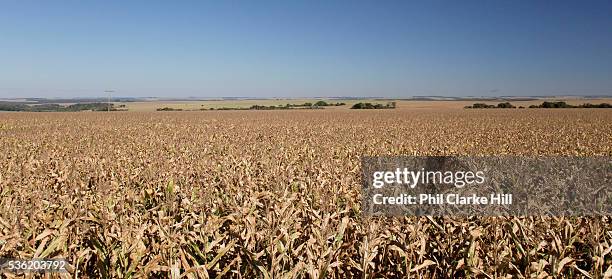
276,194
405,104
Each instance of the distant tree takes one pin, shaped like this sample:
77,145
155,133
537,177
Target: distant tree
90,106
605,105
321,104
358,106
168,109
482,105
602,105
505,105
371,106
559,104
48,107
10,106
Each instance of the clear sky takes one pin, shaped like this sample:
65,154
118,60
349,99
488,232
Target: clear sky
305,48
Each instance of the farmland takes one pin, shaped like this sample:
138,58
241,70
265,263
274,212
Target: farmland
276,194
145,106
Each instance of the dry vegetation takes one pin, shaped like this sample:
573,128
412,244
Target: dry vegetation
276,194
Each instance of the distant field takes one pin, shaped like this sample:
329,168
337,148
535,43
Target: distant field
196,105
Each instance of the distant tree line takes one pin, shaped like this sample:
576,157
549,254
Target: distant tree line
317,105
260,107
13,106
483,105
566,105
168,109
225,108
543,105
390,105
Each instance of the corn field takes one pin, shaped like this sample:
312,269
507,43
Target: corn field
276,194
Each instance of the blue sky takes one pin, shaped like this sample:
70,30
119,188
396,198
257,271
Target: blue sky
305,48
